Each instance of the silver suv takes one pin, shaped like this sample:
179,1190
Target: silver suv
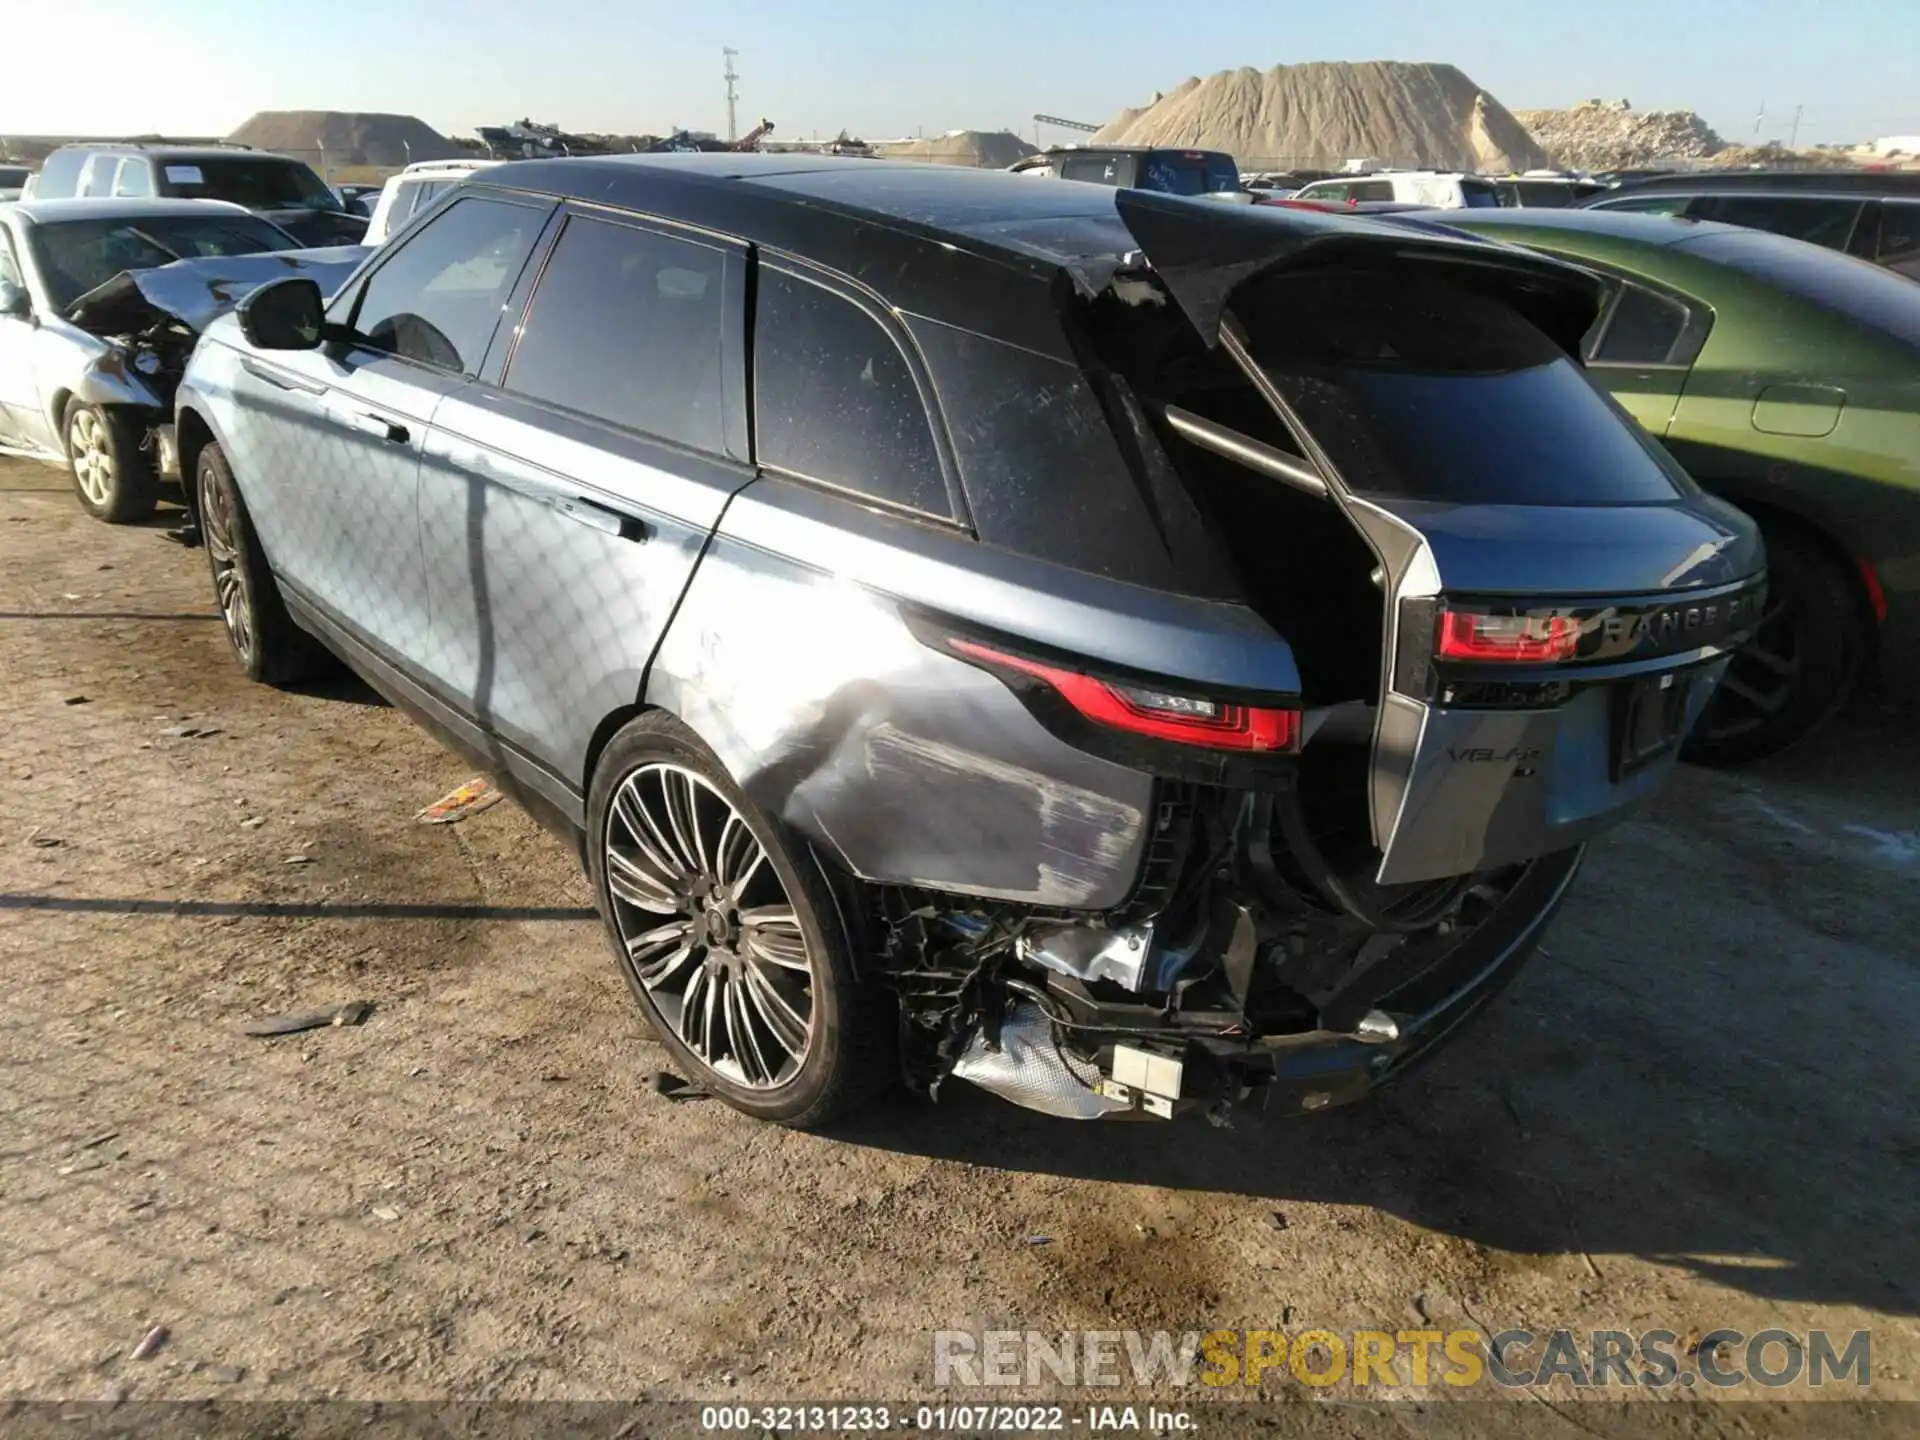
1120,651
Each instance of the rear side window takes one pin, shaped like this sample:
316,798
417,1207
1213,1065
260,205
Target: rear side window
1641,328
134,177
1818,222
97,178
437,300
626,327
1421,390
835,399
60,176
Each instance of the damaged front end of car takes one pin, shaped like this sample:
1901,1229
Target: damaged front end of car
141,327
1506,608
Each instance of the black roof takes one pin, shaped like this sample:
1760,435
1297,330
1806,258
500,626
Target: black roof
1828,182
955,244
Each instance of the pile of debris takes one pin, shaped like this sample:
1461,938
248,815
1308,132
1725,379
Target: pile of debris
1612,135
985,149
1326,113
346,137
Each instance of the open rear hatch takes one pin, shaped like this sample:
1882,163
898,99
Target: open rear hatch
1547,599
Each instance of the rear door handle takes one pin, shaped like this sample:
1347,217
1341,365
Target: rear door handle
601,518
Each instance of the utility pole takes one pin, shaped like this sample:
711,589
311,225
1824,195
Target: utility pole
733,95
1760,119
1793,139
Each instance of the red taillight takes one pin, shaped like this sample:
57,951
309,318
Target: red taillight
1159,714
1518,639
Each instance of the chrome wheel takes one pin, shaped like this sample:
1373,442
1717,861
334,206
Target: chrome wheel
223,554
729,968
91,450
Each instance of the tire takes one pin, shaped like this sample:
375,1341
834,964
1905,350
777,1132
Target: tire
266,642
113,476
1799,668
682,930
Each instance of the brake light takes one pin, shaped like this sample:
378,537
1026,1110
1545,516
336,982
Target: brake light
1157,714
1516,639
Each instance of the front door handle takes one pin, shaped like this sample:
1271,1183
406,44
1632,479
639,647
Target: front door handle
373,423
601,518
389,430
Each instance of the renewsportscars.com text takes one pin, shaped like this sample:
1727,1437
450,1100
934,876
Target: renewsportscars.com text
1652,1359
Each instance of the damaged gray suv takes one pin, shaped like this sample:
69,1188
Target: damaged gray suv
1123,652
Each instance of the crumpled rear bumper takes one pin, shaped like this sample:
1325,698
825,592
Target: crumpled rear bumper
1320,1069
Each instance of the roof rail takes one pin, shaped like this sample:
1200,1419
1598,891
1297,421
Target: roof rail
161,142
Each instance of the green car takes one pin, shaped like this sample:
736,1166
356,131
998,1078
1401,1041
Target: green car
1785,378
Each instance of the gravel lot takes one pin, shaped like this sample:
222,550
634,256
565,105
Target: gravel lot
1697,1110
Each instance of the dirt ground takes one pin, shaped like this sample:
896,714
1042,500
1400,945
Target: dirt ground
1697,1110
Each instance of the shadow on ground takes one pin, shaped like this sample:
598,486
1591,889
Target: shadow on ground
1708,1066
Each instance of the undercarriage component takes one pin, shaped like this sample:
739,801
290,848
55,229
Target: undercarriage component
1024,1064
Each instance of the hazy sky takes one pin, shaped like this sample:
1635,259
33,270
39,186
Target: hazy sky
881,69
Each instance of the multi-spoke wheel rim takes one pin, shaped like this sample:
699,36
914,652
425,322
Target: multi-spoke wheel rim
1763,676
92,456
729,970
223,554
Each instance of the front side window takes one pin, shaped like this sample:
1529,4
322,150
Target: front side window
1476,195
835,399
627,327
437,300
134,177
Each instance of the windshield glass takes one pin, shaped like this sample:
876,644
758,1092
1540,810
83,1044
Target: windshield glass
1424,390
73,256
259,182
1874,296
1189,172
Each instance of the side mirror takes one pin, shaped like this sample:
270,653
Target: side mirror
283,315
14,301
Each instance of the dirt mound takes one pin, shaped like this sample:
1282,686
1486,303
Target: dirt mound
1612,135
348,137
987,149
1325,112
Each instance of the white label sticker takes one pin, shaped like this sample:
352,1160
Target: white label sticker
185,175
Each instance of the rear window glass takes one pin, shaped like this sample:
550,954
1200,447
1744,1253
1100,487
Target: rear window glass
1189,172
257,182
1420,390
835,400
1861,291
